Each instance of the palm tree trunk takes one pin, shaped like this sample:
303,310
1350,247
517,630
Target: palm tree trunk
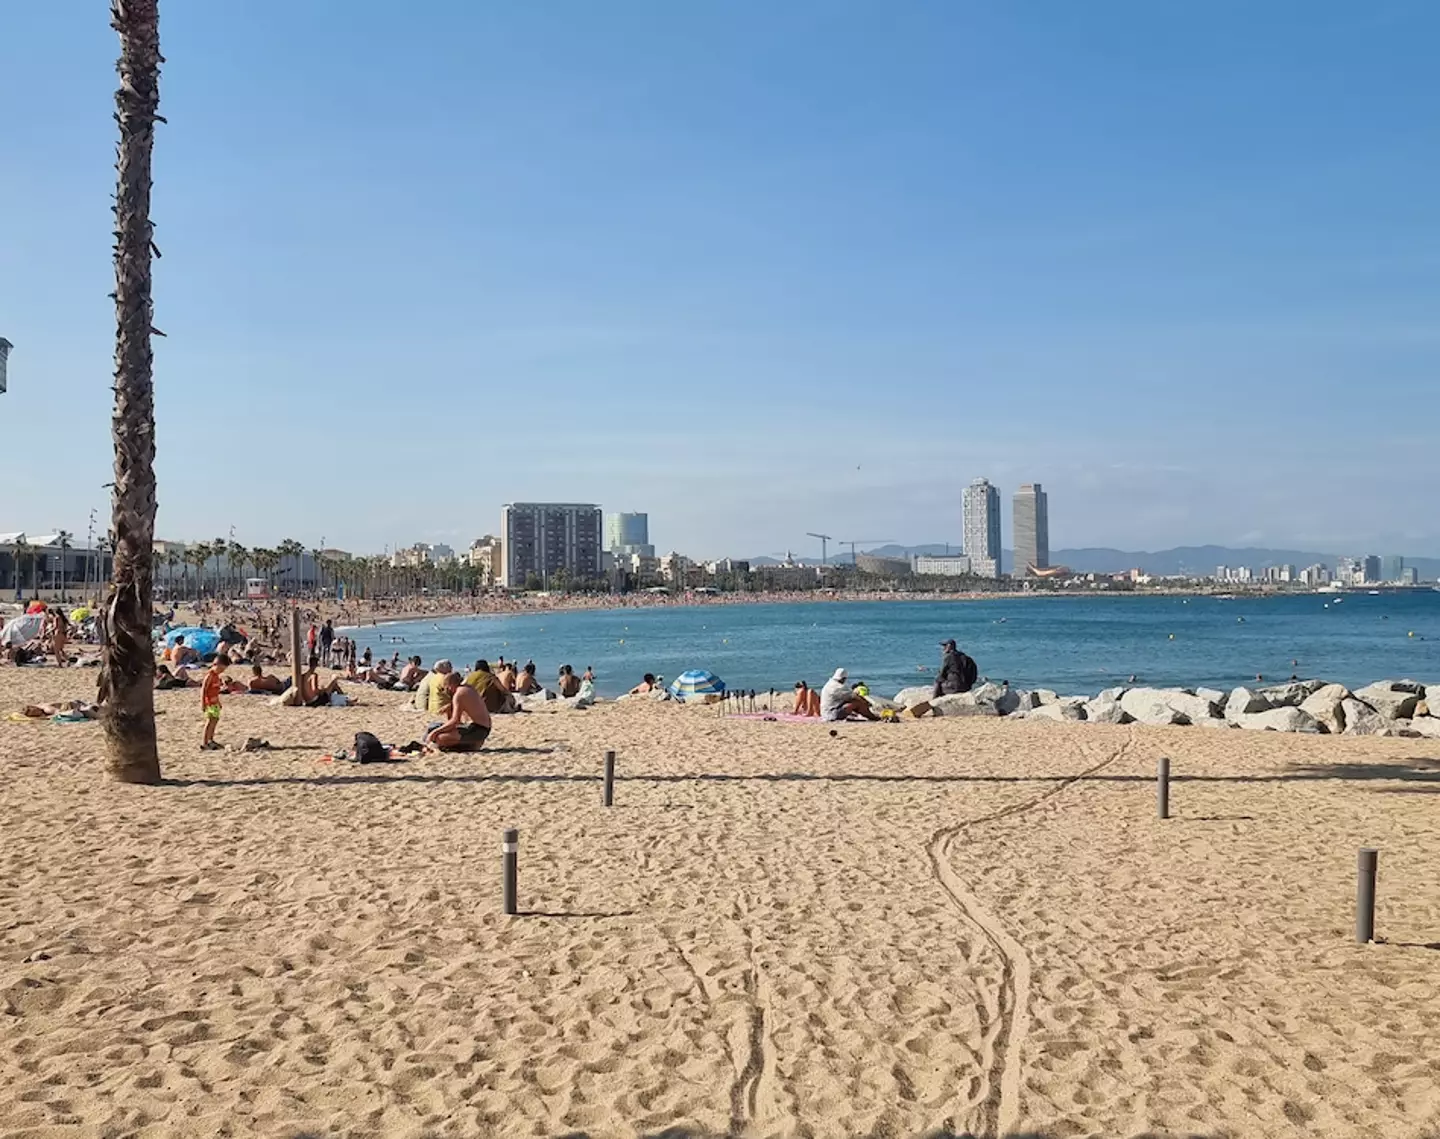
128,661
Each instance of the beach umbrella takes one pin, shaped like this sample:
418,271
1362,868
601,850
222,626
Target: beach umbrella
696,684
36,607
18,630
80,614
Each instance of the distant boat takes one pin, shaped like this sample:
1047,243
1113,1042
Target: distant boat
1374,593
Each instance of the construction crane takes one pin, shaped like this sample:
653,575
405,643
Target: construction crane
864,542
825,540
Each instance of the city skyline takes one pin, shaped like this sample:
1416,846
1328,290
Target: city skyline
1188,300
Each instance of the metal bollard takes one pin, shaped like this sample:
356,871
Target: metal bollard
1162,787
609,796
509,864
1365,895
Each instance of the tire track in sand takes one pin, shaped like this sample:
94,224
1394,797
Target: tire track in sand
997,1103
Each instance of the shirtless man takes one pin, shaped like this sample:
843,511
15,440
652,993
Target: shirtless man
455,734
260,682
411,674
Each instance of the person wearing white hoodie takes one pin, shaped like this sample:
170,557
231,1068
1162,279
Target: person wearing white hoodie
838,700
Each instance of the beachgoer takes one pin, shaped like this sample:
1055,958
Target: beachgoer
210,700
411,674
182,654
589,673
455,734
311,637
807,701
646,685
838,701
313,694
505,674
261,682
438,700
957,671
526,684
327,640
496,698
59,632
568,682
165,679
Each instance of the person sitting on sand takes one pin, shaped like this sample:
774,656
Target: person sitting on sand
165,679
647,684
839,702
525,683
568,682
505,674
182,654
456,734
311,693
496,698
807,701
261,682
412,674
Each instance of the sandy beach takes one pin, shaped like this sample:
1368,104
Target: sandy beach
957,926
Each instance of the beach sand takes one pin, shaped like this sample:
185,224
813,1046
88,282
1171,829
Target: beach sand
968,926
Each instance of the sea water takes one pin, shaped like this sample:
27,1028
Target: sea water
1075,645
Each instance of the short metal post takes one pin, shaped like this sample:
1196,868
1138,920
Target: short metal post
1365,895
1162,787
510,858
609,798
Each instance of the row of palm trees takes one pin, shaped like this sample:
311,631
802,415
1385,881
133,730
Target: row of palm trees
227,563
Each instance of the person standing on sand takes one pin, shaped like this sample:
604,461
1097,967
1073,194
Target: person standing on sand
327,639
210,700
310,639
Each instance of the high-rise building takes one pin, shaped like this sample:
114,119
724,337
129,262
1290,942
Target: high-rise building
982,528
1032,529
1371,568
628,534
544,538
1394,568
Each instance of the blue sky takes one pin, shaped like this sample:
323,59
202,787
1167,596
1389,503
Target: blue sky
758,269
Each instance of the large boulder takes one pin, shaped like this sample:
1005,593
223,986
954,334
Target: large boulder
1291,695
1214,695
1284,719
1058,711
1185,706
1151,706
1000,697
909,697
1327,706
1243,702
1027,701
1393,699
1426,726
1106,711
961,704
1215,722
1192,706
1112,693
1046,696
1362,720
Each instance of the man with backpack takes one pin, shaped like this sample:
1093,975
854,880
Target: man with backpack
957,672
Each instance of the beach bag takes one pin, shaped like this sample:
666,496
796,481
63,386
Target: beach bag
369,749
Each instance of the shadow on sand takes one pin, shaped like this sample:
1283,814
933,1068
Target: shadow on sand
1414,769
695,1133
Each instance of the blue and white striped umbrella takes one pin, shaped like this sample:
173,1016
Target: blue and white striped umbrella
695,684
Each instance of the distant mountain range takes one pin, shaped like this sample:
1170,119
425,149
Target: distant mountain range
1182,559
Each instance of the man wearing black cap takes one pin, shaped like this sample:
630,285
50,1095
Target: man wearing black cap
957,672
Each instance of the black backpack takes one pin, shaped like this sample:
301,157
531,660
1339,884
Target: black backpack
968,671
369,749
